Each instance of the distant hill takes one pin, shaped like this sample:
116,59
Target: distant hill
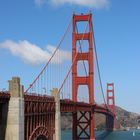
124,119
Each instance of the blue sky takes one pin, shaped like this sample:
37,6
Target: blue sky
41,23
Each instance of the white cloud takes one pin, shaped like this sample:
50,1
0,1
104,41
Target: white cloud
33,54
60,55
40,2
85,3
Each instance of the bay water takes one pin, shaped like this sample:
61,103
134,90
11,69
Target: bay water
116,135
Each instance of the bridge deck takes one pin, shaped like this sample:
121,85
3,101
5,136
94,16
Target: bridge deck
4,97
43,104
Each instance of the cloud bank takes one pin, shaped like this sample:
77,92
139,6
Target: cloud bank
85,3
33,54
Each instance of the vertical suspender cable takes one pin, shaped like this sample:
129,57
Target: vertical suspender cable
98,68
58,46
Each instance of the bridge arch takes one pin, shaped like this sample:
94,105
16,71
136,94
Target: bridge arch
40,133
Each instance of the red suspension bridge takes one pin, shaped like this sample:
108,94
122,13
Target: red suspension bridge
41,109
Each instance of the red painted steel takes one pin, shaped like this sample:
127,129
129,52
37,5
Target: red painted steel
40,131
111,100
39,117
40,110
87,80
4,97
53,54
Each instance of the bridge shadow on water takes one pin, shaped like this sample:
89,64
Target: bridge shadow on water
102,135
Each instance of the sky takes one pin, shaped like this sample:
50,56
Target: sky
31,29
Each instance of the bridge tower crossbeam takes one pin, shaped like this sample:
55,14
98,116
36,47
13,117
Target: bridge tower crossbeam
79,126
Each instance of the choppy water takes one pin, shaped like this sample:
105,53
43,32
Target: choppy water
117,135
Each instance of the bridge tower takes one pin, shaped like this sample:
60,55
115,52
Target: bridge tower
79,126
111,100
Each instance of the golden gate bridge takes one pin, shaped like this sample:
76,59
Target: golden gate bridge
42,110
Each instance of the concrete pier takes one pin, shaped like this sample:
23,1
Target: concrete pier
15,118
56,95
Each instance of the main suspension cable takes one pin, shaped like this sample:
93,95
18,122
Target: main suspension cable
73,59
58,46
98,68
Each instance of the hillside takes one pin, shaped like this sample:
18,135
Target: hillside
124,119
